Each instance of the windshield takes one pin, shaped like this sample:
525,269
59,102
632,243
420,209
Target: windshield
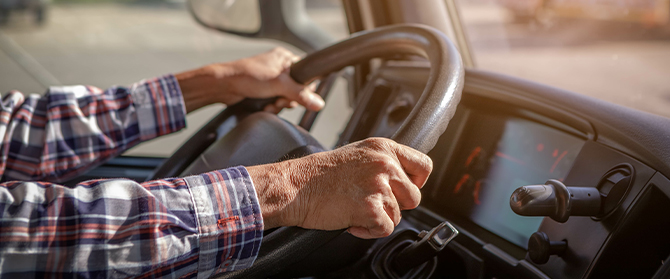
613,50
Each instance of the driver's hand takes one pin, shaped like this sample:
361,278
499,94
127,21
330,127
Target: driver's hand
361,186
262,76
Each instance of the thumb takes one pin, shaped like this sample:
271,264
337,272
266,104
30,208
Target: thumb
309,99
303,95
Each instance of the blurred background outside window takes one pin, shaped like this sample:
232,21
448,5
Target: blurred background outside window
615,50
106,43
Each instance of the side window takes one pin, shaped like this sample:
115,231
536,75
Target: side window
120,42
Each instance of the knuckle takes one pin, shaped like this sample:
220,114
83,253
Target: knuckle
410,199
372,206
395,214
381,228
380,224
376,143
386,230
383,164
282,51
367,142
377,222
381,160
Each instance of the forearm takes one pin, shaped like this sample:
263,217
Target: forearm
73,128
206,223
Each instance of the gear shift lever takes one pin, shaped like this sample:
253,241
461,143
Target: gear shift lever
425,248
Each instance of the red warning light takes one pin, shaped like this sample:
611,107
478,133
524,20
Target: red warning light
472,156
475,193
540,147
461,182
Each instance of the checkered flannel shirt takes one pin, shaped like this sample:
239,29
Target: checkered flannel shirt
179,227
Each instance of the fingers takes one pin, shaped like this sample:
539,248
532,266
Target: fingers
392,211
381,213
303,95
287,58
381,226
285,53
407,169
310,100
279,105
285,103
416,165
407,194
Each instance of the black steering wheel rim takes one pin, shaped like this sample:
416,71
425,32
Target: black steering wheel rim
421,129
438,102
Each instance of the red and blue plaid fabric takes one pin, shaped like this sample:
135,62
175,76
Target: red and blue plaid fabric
188,227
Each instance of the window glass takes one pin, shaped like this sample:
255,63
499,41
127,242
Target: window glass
329,16
106,43
613,50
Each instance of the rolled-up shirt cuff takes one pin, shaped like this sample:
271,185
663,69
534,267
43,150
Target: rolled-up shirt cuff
229,220
160,106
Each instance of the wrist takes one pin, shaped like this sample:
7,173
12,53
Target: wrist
208,85
277,194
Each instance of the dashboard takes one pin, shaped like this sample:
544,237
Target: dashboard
509,133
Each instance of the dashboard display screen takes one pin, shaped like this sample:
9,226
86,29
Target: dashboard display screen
499,154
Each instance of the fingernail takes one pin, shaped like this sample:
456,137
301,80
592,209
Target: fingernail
317,101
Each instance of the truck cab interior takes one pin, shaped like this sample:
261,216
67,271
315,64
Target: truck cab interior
533,181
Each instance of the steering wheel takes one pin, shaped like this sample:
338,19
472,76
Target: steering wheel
420,130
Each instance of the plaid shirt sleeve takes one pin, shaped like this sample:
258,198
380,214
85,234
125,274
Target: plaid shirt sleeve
183,227
189,227
72,129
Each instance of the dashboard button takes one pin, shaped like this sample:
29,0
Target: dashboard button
540,248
